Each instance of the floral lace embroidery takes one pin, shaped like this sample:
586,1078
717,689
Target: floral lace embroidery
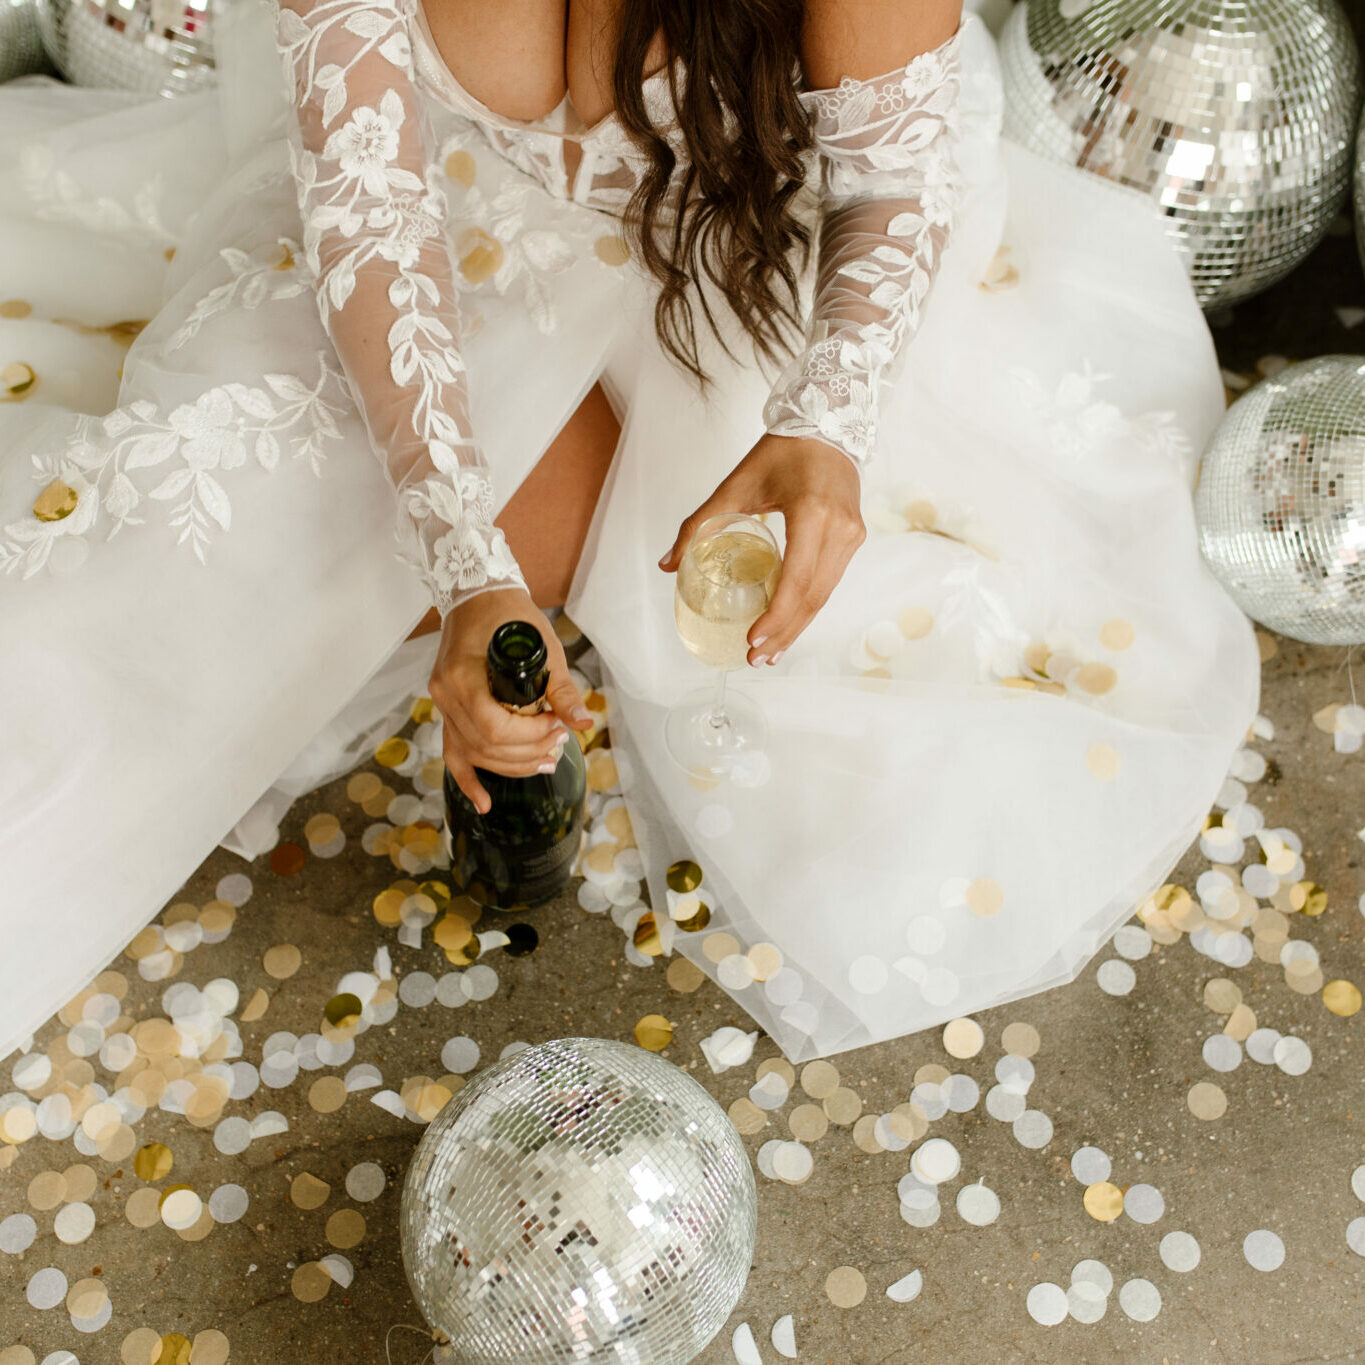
258,277
106,462
1077,424
59,199
373,215
889,198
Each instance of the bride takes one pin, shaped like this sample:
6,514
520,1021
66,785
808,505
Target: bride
530,291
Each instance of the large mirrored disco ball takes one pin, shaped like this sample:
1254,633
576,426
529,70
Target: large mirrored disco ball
160,47
1237,117
21,42
1281,501
581,1199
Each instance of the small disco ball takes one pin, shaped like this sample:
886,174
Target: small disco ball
1237,117
1281,501
21,42
159,47
580,1199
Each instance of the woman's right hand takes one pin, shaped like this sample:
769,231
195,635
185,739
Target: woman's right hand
477,731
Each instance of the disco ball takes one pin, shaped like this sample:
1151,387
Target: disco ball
1360,191
580,1199
21,42
1237,117
160,47
1281,501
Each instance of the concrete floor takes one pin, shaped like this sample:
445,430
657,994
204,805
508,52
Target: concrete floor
1112,1071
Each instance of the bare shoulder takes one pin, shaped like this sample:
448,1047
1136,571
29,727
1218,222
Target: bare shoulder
865,38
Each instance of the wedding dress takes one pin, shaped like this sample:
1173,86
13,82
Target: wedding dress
361,305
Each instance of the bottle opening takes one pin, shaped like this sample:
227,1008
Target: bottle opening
518,664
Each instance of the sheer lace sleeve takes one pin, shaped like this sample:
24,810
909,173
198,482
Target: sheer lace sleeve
888,195
373,235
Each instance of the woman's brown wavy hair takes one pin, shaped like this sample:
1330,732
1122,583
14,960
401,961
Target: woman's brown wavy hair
738,230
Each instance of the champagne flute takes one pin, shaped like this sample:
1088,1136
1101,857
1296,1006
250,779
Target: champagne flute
725,582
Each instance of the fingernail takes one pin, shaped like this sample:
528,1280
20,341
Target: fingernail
777,656
663,559
581,713
759,641
760,659
547,767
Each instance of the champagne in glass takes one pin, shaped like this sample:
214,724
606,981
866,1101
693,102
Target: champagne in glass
725,582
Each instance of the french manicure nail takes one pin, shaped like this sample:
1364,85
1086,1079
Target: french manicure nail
547,767
760,659
777,656
581,713
759,641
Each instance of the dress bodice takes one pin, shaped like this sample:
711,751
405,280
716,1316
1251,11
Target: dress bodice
611,165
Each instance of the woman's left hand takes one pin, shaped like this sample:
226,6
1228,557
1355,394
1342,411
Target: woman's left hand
817,489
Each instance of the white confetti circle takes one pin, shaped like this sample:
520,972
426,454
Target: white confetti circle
1140,1299
1179,1251
1047,1303
1263,1249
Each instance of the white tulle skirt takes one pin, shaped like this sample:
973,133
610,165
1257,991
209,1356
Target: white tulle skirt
998,735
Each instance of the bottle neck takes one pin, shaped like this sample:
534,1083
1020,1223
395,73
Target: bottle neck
518,667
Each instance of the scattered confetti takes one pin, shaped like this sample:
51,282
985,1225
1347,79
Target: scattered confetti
1263,1249
845,1286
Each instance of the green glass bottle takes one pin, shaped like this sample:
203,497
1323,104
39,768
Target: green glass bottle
521,853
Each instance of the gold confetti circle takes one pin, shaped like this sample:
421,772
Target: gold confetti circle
747,1116
388,906
717,947
1308,897
683,876
1116,633
346,1228
175,1350
984,897
56,502
915,622
327,1094
1096,678
391,752
1103,761
306,1191
1221,995
1020,1040
282,961
808,1123
1206,1100
364,787
819,1079
322,829
141,1346
143,1207
79,1182
452,932
210,1347
646,937
85,1298
654,1033
842,1106
310,1282
343,1010
460,165
46,1190
684,976
692,914
153,1162
1341,997
611,250
765,959
1103,1201
845,1286
781,1066
963,1038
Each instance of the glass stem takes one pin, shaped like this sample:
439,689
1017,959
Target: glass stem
718,718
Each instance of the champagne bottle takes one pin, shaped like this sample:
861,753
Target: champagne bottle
521,853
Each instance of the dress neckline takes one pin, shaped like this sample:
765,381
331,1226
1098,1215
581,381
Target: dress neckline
558,119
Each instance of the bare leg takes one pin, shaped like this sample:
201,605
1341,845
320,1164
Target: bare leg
546,520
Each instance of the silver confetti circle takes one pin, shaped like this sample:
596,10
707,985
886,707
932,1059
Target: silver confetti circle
159,47
1236,117
1281,501
581,1198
